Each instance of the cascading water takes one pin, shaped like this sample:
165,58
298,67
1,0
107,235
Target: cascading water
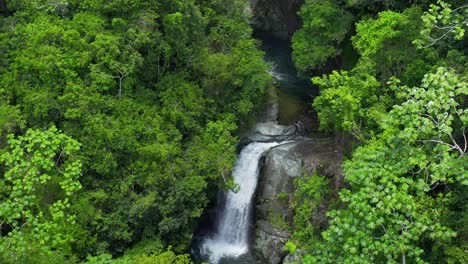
228,241
231,238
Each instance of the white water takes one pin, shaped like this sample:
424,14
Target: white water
231,238
275,73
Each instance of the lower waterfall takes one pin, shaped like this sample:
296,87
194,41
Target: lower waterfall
231,237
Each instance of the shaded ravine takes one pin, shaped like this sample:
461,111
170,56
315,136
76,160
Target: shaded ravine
295,93
278,53
228,240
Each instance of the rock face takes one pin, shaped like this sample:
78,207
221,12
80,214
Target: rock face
271,111
282,164
272,132
278,18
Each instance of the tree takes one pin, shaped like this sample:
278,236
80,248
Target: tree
322,32
354,101
310,192
349,103
41,175
149,88
10,118
441,22
373,7
115,59
155,258
386,49
166,257
396,206
181,103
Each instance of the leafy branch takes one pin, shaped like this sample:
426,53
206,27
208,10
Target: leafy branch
442,21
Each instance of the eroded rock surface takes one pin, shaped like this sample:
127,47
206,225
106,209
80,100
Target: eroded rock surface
282,164
271,112
272,132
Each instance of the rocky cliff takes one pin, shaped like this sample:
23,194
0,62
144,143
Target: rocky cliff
277,18
281,165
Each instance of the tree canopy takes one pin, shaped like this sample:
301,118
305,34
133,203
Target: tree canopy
405,104
119,122
154,92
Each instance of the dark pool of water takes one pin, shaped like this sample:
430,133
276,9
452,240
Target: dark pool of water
278,53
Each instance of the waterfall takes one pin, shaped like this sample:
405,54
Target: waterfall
231,238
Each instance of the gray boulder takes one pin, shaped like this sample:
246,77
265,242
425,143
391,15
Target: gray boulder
292,258
271,131
282,164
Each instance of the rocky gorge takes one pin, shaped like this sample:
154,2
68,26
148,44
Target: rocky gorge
280,166
298,151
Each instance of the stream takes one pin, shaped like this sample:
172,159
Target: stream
228,239
278,53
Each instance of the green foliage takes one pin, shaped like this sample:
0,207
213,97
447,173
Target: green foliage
282,197
233,186
155,91
322,33
441,22
10,118
354,102
408,178
277,220
379,5
309,194
436,110
395,205
372,34
225,74
349,103
166,257
100,259
290,247
42,171
386,49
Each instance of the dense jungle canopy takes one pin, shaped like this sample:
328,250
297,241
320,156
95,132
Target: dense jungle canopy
119,122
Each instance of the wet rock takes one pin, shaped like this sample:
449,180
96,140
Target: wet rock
270,238
271,132
277,18
273,129
271,112
292,258
282,165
